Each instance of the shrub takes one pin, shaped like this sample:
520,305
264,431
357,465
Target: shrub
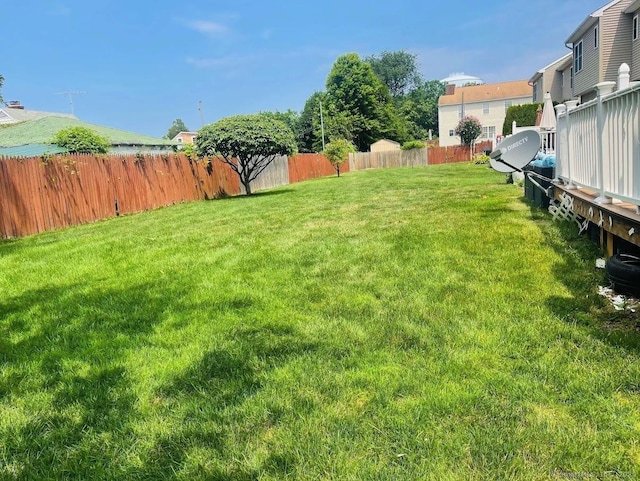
481,159
82,141
412,144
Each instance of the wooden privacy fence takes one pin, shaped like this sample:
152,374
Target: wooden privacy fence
41,194
414,157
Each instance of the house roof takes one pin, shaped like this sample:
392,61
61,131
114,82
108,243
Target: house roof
487,92
9,115
589,22
31,150
558,63
388,141
180,134
42,131
633,7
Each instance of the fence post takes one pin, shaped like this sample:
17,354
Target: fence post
562,132
604,89
624,77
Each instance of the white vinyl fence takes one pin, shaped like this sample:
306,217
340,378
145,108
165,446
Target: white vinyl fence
598,143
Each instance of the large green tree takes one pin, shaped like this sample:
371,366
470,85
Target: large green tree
420,108
82,140
360,104
309,129
176,127
289,117
247,143
397,70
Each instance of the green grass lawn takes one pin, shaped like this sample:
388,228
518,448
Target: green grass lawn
407,324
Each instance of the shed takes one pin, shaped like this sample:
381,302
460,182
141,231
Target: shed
384,145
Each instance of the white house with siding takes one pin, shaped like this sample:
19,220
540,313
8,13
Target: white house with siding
600,44
487,102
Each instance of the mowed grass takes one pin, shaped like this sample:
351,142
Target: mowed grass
408,324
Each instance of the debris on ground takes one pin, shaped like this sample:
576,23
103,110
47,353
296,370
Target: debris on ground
601,263
619,301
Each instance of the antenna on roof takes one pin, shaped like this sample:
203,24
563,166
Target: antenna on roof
70,94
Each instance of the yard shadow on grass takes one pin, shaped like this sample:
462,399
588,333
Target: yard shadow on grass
210,395
255,195
577,273
62,349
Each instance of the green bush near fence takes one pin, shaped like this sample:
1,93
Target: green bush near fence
413,324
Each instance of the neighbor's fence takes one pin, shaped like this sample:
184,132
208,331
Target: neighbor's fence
598,141
41,194
414,157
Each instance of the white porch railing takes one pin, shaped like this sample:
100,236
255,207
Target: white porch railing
547,137
598,142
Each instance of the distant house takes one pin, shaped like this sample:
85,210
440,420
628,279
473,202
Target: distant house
185,137
487,102
384,145
555,78
15,112
34,137
607,38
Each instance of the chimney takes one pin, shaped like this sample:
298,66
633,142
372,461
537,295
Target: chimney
15,104
450,89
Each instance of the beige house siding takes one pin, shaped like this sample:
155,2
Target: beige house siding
635,49
616,41
538,90
590,73
567,91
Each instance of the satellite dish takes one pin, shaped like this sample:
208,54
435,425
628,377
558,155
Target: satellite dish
500,167
516,151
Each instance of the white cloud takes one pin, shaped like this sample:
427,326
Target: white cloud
212,29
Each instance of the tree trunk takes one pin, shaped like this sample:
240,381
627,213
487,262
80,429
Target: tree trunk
338,169
247,186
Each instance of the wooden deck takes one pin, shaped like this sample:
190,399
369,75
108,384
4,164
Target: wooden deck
619,219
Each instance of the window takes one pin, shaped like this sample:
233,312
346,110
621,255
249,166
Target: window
488,132
535,92
452,133
635,28
595,37
485,109
507,104
571,75
577,57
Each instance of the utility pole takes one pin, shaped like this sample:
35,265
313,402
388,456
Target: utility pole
200,110
322,126
70,94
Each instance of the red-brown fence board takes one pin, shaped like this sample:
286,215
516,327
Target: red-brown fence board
40,194
311,166
455,153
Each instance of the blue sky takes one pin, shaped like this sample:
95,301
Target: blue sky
144,63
